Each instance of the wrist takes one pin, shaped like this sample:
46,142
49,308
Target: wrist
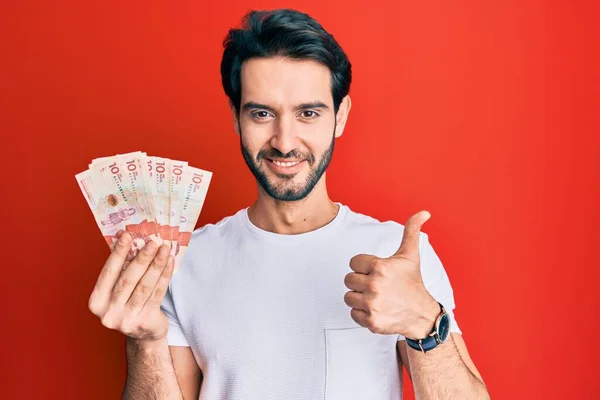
425,320
148,346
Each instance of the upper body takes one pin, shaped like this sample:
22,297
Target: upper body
264,313
295,296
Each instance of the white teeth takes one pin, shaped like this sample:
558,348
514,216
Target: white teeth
286,164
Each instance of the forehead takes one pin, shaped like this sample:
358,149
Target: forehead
283,81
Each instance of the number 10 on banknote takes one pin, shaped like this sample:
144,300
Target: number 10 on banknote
151,198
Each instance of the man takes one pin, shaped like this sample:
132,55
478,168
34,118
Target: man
296,296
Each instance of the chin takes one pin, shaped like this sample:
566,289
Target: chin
288,191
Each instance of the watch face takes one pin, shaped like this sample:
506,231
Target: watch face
444,328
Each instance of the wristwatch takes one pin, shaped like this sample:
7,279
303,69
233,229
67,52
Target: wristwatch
439,334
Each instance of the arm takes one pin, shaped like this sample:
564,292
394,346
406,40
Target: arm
129,300
159,371
446,372
150,371
397,295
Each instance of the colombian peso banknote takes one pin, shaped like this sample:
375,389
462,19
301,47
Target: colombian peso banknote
151,198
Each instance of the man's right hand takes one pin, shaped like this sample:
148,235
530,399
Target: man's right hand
129,300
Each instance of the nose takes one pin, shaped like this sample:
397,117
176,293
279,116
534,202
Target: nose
285,137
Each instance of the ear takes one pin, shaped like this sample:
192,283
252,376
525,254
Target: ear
342,116
235,116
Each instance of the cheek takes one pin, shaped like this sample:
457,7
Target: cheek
254,136
321,141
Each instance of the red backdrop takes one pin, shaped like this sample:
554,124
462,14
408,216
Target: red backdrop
483,113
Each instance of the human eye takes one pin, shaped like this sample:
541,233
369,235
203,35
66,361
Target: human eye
309,114
260,114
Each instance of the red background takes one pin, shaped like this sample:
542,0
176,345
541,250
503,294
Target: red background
483,113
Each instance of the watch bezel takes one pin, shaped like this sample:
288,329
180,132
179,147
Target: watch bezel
444,318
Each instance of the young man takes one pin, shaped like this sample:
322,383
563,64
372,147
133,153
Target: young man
296,296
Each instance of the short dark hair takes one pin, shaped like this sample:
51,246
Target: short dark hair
287,33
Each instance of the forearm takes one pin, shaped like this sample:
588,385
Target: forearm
442,374
150,372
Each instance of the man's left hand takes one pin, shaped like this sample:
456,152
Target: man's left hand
387,294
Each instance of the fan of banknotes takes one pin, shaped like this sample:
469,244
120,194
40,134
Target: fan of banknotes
151,198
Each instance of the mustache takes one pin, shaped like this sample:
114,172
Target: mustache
294,154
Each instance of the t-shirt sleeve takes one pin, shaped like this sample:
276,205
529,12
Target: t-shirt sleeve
436,280
175,336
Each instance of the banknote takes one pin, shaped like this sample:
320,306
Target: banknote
151,198
160,186
178,172
195,188
123,186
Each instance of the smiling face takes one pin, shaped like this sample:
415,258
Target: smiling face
287,124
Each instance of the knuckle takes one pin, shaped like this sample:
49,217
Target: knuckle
126,327
370,303
122,284
103,272
135,300
157,265
347,297
162,255
373,286
144,289
146,255
157,294
354,315
374,304
108,322
145,325
143,259
94,307
373,324
348,279
378,265
121,246
150,248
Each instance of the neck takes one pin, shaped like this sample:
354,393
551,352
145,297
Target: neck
293,217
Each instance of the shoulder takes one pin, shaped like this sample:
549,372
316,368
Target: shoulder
387,232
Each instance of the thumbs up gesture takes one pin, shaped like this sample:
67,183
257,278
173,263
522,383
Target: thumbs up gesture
387,294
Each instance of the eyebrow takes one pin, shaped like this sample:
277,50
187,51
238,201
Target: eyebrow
251,105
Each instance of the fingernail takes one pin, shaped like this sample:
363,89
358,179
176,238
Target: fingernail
124,239
150,247
164,251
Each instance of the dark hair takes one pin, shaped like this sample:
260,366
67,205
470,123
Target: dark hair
287,33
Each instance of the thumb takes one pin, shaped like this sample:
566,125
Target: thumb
409,248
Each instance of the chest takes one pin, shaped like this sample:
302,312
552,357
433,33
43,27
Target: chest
262,298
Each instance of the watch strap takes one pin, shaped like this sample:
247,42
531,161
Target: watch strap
423,345
431,341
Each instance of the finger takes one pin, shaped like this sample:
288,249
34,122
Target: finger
109,274
357,282
113,239
125,264
146,285
362,263
360,317
356,300
163,284
129,279
409,248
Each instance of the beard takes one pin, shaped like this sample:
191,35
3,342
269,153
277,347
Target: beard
285,189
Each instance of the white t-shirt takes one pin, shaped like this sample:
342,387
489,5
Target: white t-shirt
265,317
